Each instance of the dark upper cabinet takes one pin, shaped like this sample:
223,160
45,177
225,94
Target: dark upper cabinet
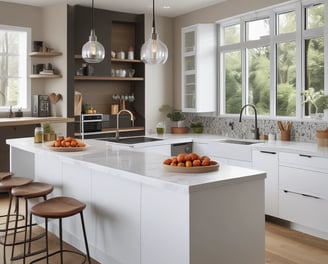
82,28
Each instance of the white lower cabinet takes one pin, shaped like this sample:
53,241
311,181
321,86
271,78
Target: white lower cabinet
303,192
267,160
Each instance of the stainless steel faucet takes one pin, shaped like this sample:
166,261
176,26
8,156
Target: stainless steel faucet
117,135
256,130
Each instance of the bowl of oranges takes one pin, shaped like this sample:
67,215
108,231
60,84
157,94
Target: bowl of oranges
190,162
68,144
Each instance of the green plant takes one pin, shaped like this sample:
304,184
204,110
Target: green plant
197,127
198,124
173,115
47,129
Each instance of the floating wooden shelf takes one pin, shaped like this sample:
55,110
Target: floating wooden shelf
106,78
45,76
114,60
45,54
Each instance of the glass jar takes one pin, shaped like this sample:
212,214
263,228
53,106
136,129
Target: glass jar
38,135
160,128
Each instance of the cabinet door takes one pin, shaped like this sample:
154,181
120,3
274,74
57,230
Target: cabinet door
116,213
268,161
198,68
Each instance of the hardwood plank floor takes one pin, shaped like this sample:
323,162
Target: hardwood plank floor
283,246
286,246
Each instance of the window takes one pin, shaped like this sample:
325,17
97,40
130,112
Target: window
14,84
268,58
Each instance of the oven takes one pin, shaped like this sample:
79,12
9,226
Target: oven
91,123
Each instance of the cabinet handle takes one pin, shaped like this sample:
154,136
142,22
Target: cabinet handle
303,194
305,156
268,152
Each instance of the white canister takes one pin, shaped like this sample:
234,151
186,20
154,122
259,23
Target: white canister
131,55
271,138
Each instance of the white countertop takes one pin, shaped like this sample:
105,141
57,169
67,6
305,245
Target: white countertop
142,166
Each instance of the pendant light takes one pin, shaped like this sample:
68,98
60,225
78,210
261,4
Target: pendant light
154,51
93,51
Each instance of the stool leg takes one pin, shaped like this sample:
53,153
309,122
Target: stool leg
16,227
47,243
7,227
61,241
85,237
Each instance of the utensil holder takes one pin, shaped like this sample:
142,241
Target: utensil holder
285,135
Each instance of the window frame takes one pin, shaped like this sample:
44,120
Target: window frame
299,36
27,98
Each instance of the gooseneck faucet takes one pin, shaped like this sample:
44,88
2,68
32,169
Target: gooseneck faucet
256,130
117,135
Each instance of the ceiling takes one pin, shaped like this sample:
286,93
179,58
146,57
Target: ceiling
176,7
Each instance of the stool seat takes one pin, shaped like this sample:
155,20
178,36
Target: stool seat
4,175
58,207
61,207
10,182
32,190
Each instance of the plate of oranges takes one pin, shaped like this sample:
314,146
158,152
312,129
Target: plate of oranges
68,144
190,163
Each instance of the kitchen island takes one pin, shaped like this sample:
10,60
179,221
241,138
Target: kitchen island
137,212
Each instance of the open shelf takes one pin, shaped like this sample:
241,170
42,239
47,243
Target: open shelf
45,54
106,78
45,76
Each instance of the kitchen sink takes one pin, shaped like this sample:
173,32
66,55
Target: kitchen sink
241,142
131,140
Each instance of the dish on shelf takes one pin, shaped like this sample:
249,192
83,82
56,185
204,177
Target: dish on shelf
197,169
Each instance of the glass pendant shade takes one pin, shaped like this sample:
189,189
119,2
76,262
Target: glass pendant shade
93,51
154,51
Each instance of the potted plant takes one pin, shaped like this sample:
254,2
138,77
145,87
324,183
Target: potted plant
48,132
177,117
197,127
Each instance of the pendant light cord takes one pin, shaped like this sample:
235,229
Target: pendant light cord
154,14
92,16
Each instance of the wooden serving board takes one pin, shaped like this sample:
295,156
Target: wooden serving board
199,169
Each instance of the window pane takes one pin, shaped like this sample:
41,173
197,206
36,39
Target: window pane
257,29
13,66
286,79
259,79
233,82
231,34
314,70
287,22
13,79
314,16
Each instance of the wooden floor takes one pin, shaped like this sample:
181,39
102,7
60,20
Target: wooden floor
283,246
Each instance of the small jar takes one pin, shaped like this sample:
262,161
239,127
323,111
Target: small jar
38,135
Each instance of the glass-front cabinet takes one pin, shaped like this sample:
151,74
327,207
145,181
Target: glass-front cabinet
198,68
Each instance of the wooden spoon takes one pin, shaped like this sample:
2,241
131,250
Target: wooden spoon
52,98
58,97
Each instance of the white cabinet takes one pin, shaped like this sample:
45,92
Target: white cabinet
232,154
267,160
303,193
199,68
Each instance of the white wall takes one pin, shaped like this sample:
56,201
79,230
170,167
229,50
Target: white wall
159,78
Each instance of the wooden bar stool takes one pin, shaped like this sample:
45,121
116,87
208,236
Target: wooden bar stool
7,183
27,192
58,208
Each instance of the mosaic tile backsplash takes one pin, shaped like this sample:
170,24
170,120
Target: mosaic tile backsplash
304,131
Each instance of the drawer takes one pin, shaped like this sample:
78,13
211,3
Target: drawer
303,181
303,210
304,161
